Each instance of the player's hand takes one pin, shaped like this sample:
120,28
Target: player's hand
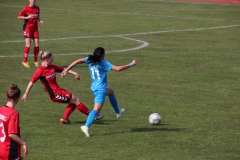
25,97
41,22
30,16
25,150
64,72
134,62
77,76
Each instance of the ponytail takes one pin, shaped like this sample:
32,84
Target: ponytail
97,56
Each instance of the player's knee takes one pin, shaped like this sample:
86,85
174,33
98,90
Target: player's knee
110,92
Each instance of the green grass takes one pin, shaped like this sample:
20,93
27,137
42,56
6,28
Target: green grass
189,74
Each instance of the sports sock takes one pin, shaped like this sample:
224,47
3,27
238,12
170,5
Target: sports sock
114,103
91,117
36,50
25,54
82,108
70,108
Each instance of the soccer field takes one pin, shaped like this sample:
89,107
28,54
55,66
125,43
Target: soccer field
187,71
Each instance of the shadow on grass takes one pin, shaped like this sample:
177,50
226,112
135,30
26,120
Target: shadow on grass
97,122
157,129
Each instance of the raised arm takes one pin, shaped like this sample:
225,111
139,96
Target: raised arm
121,68
66,70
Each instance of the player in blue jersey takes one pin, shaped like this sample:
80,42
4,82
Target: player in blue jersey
98,68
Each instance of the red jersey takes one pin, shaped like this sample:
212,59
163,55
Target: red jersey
9,124
47,76
32,23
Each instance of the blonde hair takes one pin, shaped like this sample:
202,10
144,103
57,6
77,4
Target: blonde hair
44,55
13,92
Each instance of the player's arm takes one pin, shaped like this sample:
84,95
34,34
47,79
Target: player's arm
66,70
25,96
26,17
77,76
40,21
17,139
121,68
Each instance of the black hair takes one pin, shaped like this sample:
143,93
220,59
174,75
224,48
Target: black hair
97,55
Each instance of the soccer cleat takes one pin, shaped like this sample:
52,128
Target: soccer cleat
85,131
64,121
26,64
120,112
99,117
36,64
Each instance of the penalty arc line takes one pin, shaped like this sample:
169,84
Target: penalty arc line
144,44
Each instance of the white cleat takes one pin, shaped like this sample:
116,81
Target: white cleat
85,131
120,112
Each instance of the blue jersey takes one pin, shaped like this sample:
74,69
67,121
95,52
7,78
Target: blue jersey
98,74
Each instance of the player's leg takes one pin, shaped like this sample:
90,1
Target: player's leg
91,117
99,101
80,106
63,96
113,101
27,36
68,111
36,48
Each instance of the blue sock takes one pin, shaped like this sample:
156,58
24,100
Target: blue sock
114,103
91,118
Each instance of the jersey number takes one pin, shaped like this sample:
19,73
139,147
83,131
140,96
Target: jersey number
2,139
97,73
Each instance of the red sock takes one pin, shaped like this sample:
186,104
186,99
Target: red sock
82,108
25,54
70,108
36,50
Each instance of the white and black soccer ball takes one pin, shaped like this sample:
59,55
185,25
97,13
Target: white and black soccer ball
155,118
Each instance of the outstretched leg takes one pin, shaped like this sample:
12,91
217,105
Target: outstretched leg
68,111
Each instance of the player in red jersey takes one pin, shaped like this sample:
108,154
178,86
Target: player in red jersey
10,141
46,73
31,15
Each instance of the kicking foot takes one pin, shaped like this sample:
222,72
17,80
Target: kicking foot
85,131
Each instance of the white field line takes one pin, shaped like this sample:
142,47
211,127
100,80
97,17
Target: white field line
178,1
144,43
130,34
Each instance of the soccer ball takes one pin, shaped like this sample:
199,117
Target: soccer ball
155,118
